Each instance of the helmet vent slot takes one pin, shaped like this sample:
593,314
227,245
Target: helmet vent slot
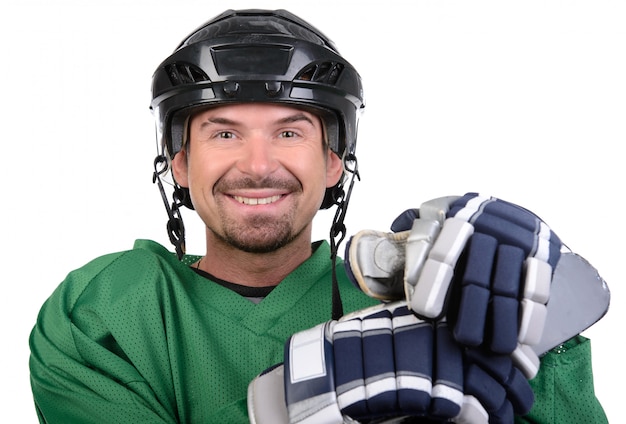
185,73
325,72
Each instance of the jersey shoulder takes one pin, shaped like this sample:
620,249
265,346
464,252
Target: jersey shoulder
117,274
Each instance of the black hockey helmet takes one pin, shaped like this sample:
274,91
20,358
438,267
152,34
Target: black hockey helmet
257,56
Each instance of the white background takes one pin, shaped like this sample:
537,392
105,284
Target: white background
521,100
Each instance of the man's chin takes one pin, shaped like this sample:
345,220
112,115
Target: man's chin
265,241
259,246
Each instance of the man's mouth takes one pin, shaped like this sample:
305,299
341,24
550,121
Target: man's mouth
257,200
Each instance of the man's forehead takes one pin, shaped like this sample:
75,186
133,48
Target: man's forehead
272,112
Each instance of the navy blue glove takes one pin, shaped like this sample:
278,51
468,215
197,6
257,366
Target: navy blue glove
385,362
376,363
484,263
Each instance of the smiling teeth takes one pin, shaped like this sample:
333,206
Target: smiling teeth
256,200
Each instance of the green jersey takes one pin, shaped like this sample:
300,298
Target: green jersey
140,337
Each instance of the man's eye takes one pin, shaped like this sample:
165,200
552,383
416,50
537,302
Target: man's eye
225,134
288,134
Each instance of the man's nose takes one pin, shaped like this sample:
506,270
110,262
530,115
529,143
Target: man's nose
259,157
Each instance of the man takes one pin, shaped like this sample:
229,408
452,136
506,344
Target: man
257,116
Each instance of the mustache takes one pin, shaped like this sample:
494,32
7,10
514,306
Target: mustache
289,184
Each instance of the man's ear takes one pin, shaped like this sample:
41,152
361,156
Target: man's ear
334,169
180,168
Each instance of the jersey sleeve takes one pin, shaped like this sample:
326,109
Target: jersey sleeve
77,375
564,390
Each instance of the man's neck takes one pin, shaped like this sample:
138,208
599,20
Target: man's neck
254,269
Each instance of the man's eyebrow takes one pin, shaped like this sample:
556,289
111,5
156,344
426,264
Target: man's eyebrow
295,118
217,120
286,120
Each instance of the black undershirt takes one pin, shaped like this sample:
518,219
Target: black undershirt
254,294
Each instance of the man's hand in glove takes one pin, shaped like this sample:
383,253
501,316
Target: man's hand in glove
484,263
385,362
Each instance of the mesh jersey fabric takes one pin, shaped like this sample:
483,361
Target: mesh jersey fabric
137,336
564,391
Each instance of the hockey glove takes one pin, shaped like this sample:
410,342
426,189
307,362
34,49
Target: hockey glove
485,263
383,363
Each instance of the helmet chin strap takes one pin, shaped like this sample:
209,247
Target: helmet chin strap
175,226
338,228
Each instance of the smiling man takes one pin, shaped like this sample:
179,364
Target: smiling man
257,116
257,174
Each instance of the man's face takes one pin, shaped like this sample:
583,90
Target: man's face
256,173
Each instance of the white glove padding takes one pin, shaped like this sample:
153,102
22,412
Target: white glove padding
385,362
499,256
377,261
